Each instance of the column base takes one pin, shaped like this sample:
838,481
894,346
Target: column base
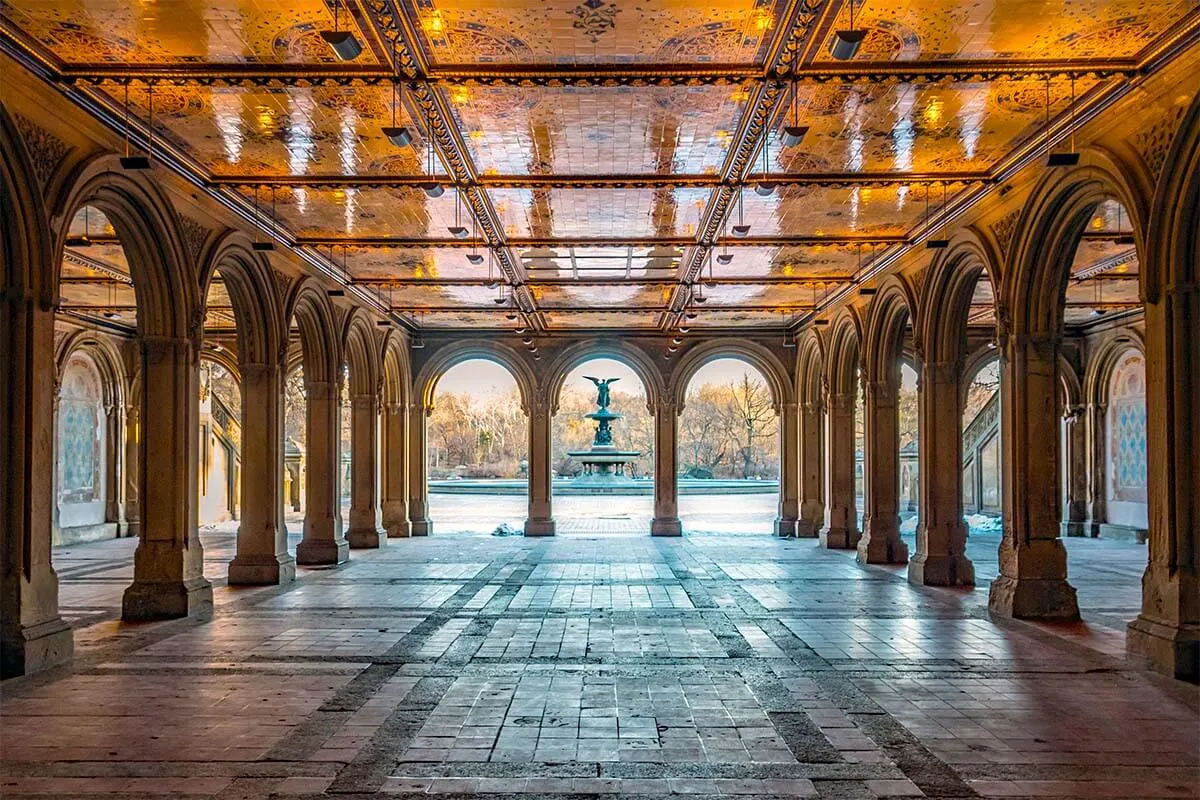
146,601
366,538
666,526
398,530
317,552
420,527
1077,528
268,570
1170,649
806,529
35,648
927,570
881,543
539,527
1049,599
839,538
785,528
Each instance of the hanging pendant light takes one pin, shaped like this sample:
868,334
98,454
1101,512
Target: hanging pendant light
847,42
432,187
397,134
793,134
741,230
1071,157
724,258
1122,238
259,245
935,244
766,187
84,240
339,290
474,257
138,163
458,230
343,43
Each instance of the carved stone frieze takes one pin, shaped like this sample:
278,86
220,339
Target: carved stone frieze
46,150
1153,142
194,236
1004,228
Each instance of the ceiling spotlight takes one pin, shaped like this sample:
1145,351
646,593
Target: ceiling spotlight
534,350
677,341
724,258
398,135
867,291
343,43
763,189
417,343
741,231
691,315
1125,239
511,316
135,163
433,189
1071,157
527,341
81,240
672,349
699,298
112,314
383,323
263,247
789,341
821,323
846,42
519,330
458,231
1062,159
335,292
475,258
684,329
793,135
937,244
1099,312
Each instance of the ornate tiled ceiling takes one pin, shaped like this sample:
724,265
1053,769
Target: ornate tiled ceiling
601,145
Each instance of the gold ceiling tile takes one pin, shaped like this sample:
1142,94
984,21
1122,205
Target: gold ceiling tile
603,319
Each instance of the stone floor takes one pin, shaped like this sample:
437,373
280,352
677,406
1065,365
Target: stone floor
714,665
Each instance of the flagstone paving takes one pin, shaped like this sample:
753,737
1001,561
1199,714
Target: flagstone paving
708,666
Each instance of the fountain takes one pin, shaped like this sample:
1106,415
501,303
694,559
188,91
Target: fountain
604,464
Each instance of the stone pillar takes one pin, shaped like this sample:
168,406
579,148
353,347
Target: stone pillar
32,634
366,529
1166,633
841,514
323,542
812,506
789,471
1032,583
1097,512
880,542
941,557
262,556
130,445
418,466
666,485
168,565
395,470
1076,506
114,479
541,519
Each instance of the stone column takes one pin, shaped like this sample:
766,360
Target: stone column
1097,513
114,479
168,565
841,514
323,542
789,471
1076,489
130,445
541,519
395,470
666,486
880,542
1033,562
418,466
1166,633
941,558
812,506
32,634
262,556
366,529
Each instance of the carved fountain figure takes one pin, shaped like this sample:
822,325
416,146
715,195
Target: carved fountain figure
604,464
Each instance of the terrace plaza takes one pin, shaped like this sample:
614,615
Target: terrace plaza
246,243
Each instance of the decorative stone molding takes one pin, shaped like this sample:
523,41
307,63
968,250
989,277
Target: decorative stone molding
1152,143
194,236
46,150
1004,228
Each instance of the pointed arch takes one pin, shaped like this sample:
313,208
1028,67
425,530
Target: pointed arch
945,301
845,337
894,305
163,273
309,307
397,368
810,367
363,353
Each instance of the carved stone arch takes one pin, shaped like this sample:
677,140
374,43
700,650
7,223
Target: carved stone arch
1072,396
227,360
27,243
753,353
1048,231
1100,365
842,353
113,382
629,355
810,368
362,353
248,280
319,340
1173,247
976,360
457,352
397,368
148,227
946,300
893,305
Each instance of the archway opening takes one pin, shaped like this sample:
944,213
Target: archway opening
295,416
87,451
908,462
477,450
603,482
728,451
218,489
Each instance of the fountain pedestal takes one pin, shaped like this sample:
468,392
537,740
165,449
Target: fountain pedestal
604,464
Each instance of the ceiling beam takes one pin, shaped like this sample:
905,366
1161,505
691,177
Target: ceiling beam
564,243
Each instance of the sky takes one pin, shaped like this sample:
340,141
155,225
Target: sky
485,379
